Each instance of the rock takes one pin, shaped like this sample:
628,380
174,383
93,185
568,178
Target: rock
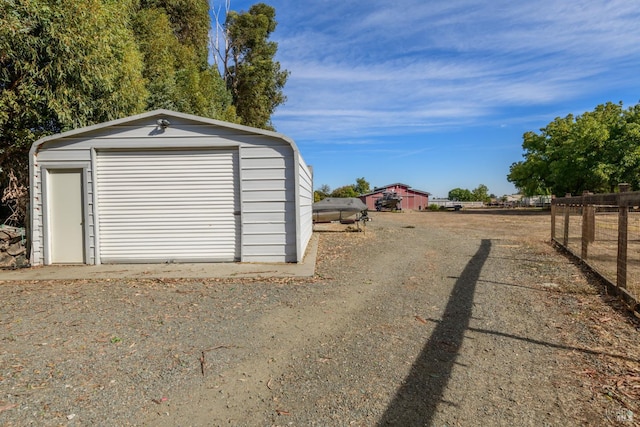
7,260
16,249
13,253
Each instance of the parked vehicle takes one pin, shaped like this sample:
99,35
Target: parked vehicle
390,200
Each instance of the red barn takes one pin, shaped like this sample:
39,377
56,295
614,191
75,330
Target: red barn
411,198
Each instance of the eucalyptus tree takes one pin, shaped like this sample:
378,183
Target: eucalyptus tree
173,36
247,63
189,22
63,64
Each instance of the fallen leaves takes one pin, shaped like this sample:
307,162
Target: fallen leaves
421,320
8,406
160,401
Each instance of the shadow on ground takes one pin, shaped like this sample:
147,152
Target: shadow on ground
417,399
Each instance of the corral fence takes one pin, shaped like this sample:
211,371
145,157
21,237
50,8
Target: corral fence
451,203
603,230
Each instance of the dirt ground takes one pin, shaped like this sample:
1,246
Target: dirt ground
426,318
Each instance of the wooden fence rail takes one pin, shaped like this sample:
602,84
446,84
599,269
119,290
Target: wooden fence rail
603,230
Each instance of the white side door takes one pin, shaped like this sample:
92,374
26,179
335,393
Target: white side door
66,228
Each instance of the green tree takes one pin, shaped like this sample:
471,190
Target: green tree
325,189
460,195
323,192
594,151
173,37
624,149
362,186
344,191
189,22
481,194
63,64
250,70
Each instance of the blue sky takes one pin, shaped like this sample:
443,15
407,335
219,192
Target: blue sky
437,94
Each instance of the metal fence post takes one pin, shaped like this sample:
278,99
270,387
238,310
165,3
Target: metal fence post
623,220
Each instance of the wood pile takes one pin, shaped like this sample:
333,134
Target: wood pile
13,253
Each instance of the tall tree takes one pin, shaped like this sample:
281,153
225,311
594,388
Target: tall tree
344,191
362,186
63,64
594,151
173,37
481,194
251,72
189,21
460,195
321,193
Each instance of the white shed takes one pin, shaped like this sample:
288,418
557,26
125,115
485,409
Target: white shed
164,187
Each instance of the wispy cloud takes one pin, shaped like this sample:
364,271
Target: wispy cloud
377,70
484,57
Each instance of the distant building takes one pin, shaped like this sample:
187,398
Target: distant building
411,198
537,201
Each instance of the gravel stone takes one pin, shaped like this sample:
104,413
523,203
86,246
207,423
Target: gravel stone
426,318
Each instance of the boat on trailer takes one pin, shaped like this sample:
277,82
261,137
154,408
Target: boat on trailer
345,210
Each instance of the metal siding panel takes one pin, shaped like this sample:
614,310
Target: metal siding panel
263,258
74,154
168,205
265,239
147,128
266,217
306,204
256,252
37,253
265,185
263,228
116,142
266,207
90,214
265,196
268,202
264,163
259,174
265,152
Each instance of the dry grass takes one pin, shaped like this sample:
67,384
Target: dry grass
604,332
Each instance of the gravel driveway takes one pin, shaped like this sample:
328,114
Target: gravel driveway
440,319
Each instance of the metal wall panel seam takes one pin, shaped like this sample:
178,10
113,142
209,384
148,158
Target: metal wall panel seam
96,209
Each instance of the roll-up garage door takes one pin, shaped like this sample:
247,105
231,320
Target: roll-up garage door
168,206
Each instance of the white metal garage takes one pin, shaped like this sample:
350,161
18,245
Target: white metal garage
169,187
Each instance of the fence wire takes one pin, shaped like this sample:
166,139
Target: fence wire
633,253
603,250
592,227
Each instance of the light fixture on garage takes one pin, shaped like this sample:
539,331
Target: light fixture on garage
163,123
